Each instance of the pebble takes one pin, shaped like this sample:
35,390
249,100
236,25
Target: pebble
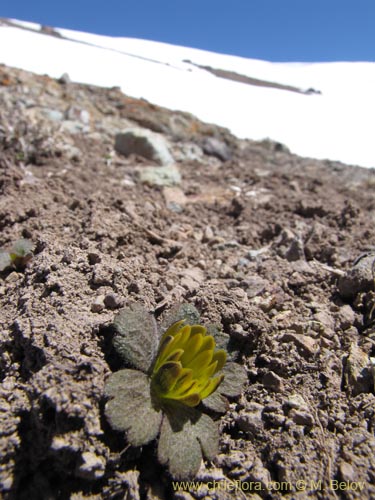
357,279
250,420
347,472
13,277
301,417
75,113
260,474
93,258
64,79
160,176
346,317
272,381
174,198
144,143
92,466
98,304
326,323
215,147
112,301
306,344
208,234
358,375
296,401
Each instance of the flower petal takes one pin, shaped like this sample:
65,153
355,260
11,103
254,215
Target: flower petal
220,356
200,362
166,377
211,386
192,347
130,408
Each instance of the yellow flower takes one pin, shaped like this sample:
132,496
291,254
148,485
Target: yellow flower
186,364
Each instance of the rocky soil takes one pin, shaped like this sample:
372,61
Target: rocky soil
128,202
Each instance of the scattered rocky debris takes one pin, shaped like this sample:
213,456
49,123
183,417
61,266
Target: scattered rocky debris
265,244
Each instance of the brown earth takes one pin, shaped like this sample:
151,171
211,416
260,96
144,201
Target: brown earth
256,243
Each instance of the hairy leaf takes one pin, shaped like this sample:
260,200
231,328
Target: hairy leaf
235,378
136,338
21,248
182,311
185,435
216,402
5,260
131,409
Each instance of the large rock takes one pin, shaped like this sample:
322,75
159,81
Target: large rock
144,143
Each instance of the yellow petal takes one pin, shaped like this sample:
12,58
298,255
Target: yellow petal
173,329
192,347
167,376
175,355
220,356
184,382
200,362
211,386
208,343
198,329
190,400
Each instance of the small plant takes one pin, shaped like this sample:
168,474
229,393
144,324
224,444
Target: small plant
17,256
173,380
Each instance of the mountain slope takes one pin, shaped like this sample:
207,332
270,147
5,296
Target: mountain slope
321,110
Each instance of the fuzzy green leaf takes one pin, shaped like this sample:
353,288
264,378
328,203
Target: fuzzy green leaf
5,260
185,435
235,378
21,248
136,338
221,339
216,402
182,311
130,408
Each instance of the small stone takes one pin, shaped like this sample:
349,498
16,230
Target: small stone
112,301
273,382
93,258
144,143
92,466
301,417
357,279
208,234
215,147
327,322
160,176
243,262
75,113
53,114
358,374
346,317
98,304
306,344
175,198
102,275
64,79
250,420
13,277
260,474
238,332
295,251
347,472
296,401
